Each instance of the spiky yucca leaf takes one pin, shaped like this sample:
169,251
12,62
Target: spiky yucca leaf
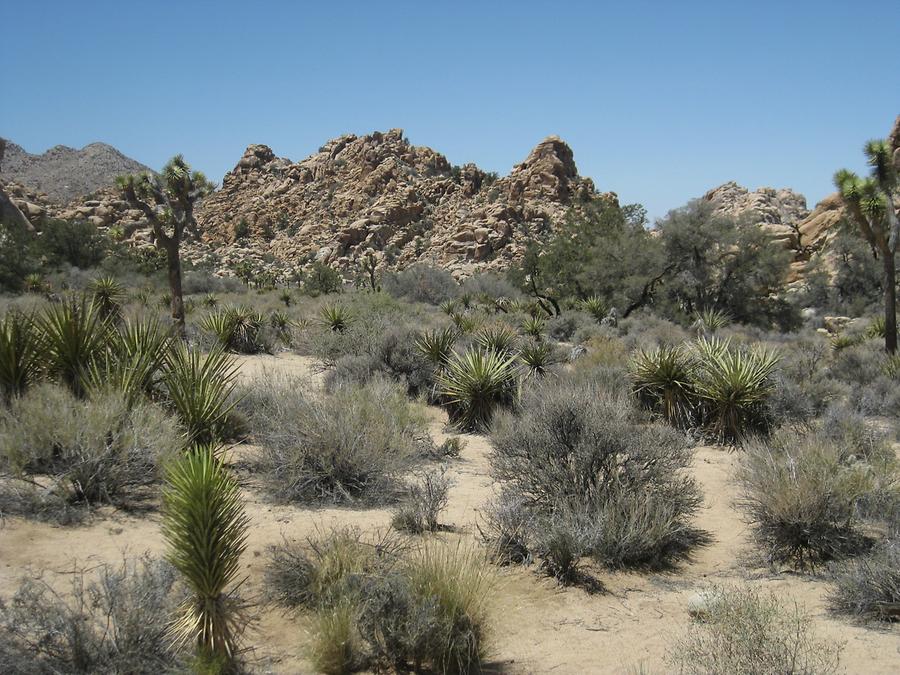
198,387
662,381
20,354
500,339
131,365
537,357
596,306
75,335
237,329
474,384
732,386
336,317
437,345
466,323
205,530
533,326
710,320
448,307
108,294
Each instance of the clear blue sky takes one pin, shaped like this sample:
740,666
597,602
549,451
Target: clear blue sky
659,100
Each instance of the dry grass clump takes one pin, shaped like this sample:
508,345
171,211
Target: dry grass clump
743,631
868,587
377,604
582,474
347,446
421,507
113,622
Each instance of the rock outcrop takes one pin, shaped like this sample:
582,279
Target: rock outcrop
64,173
380,194
777,211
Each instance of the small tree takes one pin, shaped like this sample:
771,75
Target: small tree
167,201
870,203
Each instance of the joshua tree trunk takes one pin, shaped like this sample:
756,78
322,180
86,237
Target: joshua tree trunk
174,265
890,301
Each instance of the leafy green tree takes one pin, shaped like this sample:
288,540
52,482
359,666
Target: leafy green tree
871,203
167,201
717,262
77,243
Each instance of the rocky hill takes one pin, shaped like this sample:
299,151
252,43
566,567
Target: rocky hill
777,211
378,193
64,173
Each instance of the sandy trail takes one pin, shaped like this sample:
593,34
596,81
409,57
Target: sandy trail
538,627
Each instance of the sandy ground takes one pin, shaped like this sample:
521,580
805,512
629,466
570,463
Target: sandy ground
538,627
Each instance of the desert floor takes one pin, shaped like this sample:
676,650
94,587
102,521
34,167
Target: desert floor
538,627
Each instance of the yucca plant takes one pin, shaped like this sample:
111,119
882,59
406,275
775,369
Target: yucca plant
210,300
534,327
437,345
466,300
465,323
134,360
281,325
711,320
336,317
662,381
448,307
843,341
286,297
205,529
732,386
237,329
500,339
892,367
198,387
108,295
475,384
596,306
74,336
34,283
537,357
20,354
165,300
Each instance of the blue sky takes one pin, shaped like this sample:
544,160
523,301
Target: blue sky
659,100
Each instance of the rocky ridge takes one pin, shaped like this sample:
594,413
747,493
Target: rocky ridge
64,173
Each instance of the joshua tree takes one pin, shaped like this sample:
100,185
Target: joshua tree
167,201
871,203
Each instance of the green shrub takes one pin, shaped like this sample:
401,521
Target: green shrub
205,530
350,445
801,494
474,385
336,317
20,354
198,387
744,631
580,458
320,279
114,621
421,507
92,451
868,587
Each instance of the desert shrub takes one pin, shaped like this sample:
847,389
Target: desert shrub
197,388
648,331
429,612
99,450
802,493
744,631
349,445
803,388
508,530
858,364
20,354
490,285
75,243
879,396
421,507
868,587
563,327
574,455
115,623
237,329
475,384
421,283
336,647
